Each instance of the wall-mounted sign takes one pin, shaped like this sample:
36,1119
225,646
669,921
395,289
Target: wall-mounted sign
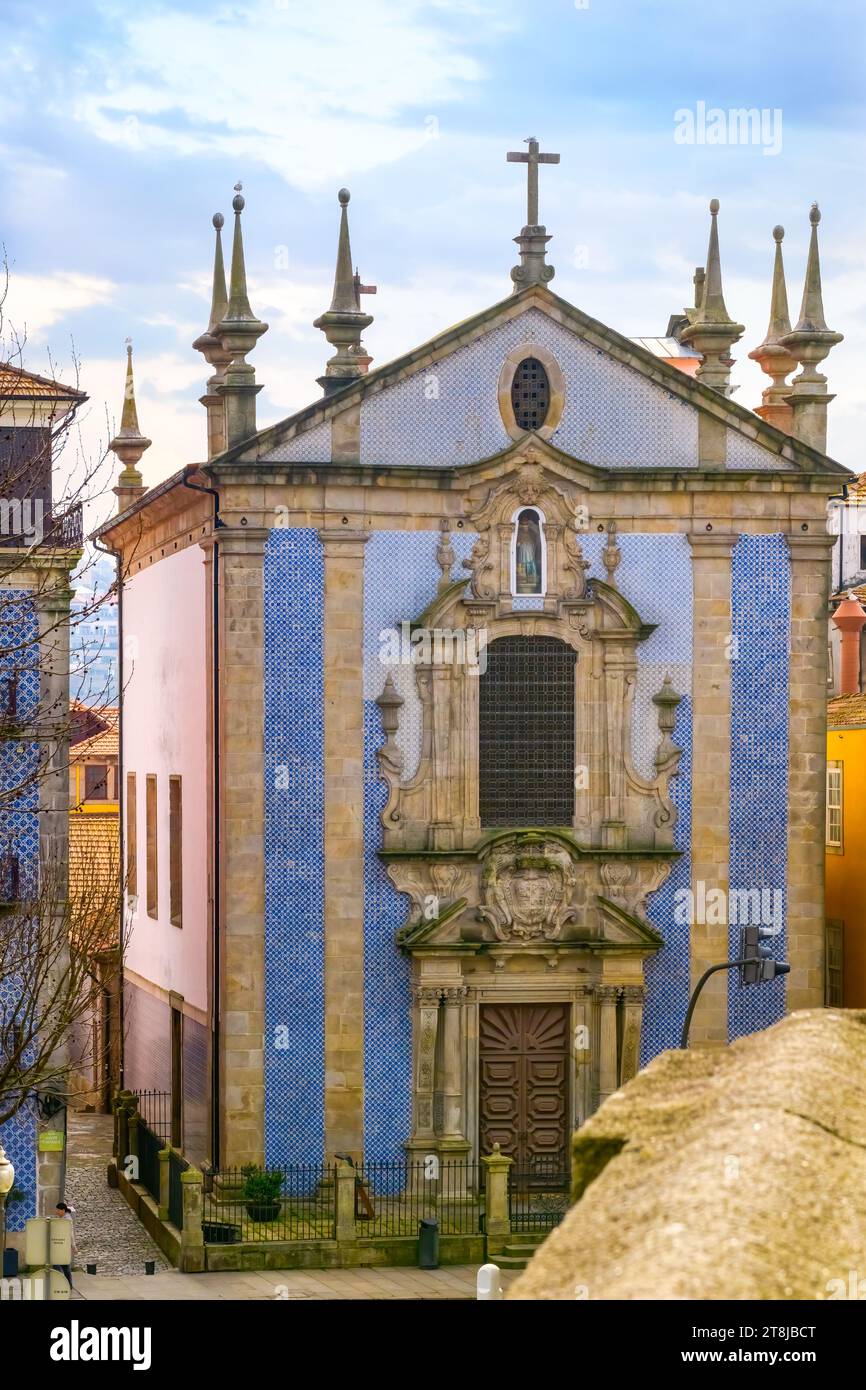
51,1141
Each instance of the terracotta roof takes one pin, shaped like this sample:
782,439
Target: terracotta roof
94,866
858,590
104,742
846,709
858,487
14,381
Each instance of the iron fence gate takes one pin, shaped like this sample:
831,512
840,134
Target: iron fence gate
538,1197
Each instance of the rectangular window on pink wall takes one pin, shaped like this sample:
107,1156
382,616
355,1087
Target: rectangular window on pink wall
150,832
131,836
175,834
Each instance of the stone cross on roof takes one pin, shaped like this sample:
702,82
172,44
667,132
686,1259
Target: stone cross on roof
532,158
533,238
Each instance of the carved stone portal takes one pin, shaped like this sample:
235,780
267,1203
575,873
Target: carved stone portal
533,914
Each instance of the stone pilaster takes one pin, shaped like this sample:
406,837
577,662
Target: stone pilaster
453,1134
607,996
711,770
426,1023
807,752
242,885
343,623
632,1016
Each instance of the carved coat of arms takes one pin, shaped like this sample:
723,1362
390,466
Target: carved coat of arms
526,890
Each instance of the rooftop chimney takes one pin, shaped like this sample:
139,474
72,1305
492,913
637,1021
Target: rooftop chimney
850,619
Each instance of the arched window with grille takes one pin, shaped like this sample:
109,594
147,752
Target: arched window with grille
526,733
530,394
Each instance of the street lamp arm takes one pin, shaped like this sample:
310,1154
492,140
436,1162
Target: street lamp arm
725,965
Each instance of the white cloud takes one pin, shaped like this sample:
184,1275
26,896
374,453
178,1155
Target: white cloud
312,93
167,387
34,303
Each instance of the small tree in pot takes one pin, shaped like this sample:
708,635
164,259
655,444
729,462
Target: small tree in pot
262,1192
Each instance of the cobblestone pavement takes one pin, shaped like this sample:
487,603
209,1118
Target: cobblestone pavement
106,1231
277,1285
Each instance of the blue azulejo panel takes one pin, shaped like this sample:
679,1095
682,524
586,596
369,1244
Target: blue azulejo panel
401,577
761,615
667,974
18,1137
294,847
387,972
655,575
19,848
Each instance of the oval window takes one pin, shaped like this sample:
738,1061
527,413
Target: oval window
530,394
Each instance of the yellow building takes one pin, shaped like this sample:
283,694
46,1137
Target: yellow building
846,819
94,873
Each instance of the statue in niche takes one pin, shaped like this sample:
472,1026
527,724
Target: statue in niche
527,556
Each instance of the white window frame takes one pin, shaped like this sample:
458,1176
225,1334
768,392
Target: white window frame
835,804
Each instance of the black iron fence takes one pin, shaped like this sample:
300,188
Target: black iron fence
154,1107
538,1197
177,1165
392,1198
149,1145
297,1202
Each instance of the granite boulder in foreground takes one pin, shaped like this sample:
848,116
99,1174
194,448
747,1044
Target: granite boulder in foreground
732,1174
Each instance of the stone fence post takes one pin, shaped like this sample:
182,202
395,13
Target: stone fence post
133,1150
345,1201
164,1156
498,1219
121,1126
191,1237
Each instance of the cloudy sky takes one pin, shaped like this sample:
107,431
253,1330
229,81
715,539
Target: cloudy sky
125,125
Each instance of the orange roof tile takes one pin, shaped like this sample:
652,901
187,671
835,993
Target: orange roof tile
845,710
94,869
103,744
858,590
14,381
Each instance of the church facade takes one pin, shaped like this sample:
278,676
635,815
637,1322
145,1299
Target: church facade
468,715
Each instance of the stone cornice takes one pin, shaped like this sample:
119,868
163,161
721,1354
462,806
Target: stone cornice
712,545
815,546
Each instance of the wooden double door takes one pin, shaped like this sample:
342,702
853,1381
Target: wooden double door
524,1057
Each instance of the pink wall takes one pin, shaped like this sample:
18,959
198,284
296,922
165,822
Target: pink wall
166,684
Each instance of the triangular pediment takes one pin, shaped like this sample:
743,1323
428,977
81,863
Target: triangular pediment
621,928
439,406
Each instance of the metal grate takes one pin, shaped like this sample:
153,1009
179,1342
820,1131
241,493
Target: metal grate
538,1197
526,733
530,394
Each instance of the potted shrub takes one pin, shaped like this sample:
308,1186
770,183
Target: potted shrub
262,1192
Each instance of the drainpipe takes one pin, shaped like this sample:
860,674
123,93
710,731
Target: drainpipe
843,498
215,926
